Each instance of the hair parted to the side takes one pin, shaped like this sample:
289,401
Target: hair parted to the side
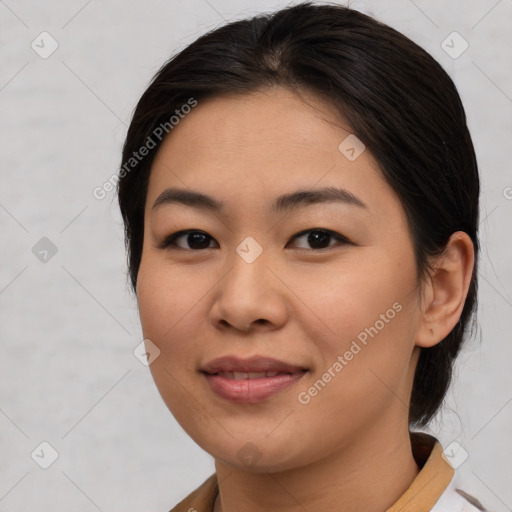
395,98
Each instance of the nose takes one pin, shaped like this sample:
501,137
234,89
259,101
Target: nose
249,297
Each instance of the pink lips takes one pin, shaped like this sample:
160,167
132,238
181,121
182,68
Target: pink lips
250,380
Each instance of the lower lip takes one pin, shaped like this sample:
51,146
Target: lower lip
251,391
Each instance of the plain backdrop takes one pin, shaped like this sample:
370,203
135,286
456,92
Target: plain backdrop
68,321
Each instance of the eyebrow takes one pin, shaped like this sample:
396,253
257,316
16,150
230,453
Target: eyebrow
286,202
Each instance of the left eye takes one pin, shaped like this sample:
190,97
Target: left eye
199,240
318,237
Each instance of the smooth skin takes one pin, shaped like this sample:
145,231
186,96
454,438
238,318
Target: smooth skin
296,302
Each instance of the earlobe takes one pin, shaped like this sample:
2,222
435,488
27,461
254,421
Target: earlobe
445,293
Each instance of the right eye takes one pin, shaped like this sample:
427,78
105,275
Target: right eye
194,238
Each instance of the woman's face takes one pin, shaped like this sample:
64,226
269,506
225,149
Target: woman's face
339,316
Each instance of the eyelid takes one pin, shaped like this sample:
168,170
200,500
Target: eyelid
168,242
334,234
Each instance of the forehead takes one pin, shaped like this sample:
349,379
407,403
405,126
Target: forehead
246,149
259,123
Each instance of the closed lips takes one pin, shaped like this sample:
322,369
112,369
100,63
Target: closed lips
250,380
233,367
249,375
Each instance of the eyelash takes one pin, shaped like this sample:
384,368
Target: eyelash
169,242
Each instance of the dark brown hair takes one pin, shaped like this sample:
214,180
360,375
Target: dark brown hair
394,96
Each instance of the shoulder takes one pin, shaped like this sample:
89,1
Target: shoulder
202,499
456,498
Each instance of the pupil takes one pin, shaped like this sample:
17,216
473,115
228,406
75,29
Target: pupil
316,238
200,239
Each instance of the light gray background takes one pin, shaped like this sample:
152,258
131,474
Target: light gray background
68,326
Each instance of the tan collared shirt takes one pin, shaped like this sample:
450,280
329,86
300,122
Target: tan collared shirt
433,489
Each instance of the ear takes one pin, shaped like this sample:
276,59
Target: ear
444,294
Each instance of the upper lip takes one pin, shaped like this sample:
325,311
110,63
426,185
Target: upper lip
251,364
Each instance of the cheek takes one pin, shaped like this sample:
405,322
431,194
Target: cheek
363,375
371,315
166,298
172,312
168,303
351,301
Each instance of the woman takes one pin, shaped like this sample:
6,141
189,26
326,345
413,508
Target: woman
300,198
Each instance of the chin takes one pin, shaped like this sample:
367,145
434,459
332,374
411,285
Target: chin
254,454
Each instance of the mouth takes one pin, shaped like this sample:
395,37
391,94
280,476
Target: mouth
250,375
255,366
250,380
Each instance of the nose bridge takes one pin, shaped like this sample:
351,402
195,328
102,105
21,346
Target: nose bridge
245,297
248,263
249,250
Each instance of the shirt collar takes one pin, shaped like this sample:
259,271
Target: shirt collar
432,480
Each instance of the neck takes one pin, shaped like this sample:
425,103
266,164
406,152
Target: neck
368,474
